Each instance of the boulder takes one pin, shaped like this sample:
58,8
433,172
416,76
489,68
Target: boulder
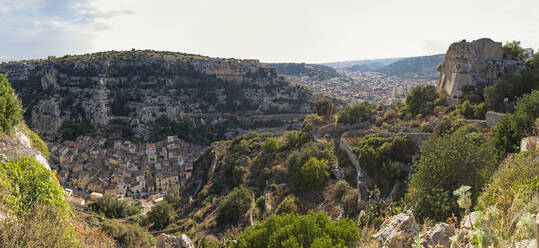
469,220
477,63
439,235
529,143
398,232
180,241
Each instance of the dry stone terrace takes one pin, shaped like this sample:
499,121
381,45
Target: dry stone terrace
125,168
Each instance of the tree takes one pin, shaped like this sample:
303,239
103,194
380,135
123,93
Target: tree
113,208
421,100
357,113
234,206
445,163
161,215
294,230
10,107
314,173
513,50
323,108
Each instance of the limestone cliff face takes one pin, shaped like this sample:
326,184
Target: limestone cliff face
139,86
19,145
475,64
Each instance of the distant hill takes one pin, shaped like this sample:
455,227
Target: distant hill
362,65
412,67
415,67
320,72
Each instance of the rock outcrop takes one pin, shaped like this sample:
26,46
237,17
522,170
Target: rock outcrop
398,232
439,235
141,85
167,241
477,63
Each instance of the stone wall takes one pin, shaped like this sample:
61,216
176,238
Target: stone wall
493,117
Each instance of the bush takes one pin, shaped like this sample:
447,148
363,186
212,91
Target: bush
357,113
234,206
378,155
113,208
311,122
298,172
445,163
43,226
510,130
292,139
270,146
421,100
34,202
128,235
161,215
293,230
10,107
314,173
513,50
288,205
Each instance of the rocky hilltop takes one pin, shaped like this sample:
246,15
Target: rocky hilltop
139,86
477,63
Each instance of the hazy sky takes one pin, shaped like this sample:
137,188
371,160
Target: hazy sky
272,30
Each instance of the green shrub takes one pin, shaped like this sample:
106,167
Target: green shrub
113,208
421,100
292,139
510,130
10,107
357,113
288,205
161,215
234,206
314,173
445,163
513,50
35,202
300,175
270,145
128,235
294,230
378,155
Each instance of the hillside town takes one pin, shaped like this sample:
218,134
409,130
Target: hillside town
126,168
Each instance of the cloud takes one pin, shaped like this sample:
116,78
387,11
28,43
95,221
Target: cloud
40,28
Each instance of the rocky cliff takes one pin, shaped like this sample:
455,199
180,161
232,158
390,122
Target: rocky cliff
474,64
139,86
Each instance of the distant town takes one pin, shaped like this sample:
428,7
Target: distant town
356,87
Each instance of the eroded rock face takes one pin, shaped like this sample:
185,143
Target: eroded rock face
46,119
475,63
398,232
167,241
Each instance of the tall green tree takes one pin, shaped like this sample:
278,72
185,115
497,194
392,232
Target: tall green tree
10,107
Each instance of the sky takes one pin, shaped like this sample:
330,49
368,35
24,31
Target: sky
311,31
